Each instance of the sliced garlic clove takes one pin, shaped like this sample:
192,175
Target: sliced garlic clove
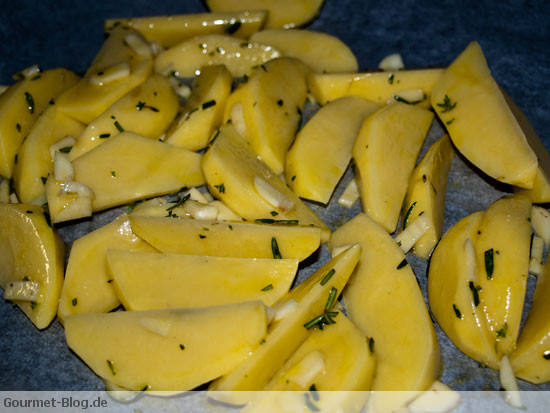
412,233
471,263
540,221
350,194
156,326
272,196
509,384
62,167
537,249
283,308
138,44
21,291
392,62
111,74
72,187
439,398
304,372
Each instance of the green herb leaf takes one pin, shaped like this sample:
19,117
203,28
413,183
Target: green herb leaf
489,263
293,178
140,105
274,213
447,105
74,302
30,102
328,276
221,188
331,298
179,203
104,135
18,127
313,392
113,174
475,292
208,104
268,287
502,332
111,367
118,126
202,236
182,347
371,345
66,149
277,221
233,27
457,312
275,249
408,214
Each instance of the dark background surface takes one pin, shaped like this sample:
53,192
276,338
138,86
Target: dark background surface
514,35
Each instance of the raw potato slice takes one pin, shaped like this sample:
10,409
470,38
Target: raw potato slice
20,106
186,58
30,251
167,350
227,239
88,287
426,194
286,335
322,52
379,87
531,358
267,110
145,281
171,30
232,172
385,153
343,373
502,251
88,99
130,167
480,122
148,110
283,14
384,300
203,110
322,150
453,277
34,161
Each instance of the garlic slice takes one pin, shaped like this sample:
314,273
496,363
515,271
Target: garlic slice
439,398
471,263
225,213
412,233
62,168
155,325
111,74
392,62
201,211
304,372
350,194
537,249
21,291
283,308
272,196
73,187
237,119
540,221
30,71
13,198
509,384
138,44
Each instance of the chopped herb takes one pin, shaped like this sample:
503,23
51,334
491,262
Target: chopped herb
118,126
30,102
457,312
145,388
280,102
314,393
208,104
293,178
30,212
489,263
263,67
402,264
219,50
182,347
233,27
244,79
191,112
546,355
275,249
262,342
36,77
475,292
104,135
424,178
34,304
18,127
109,281
316,321
408,102
25,278
447,105
277,221
390,79
450,121
371,345
66,149
74,302
140,105
111,367
171,215
268,287
15,159
221,188
502,332
331,298
328,276
113,174
310,405
179,203
274,213
100,73
215,137
52,101
408,214
113,117
230,227
202,236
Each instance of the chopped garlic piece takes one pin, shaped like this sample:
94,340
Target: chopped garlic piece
311,100
81,207
30,71
225,213
138,44
471,264
21,291
13,198
509,384
540,221
269,314
535,262
439,398
304,372
412,233
111,74
62,168
208,196
155,325
4,192
283,308
181,89
408,96
350,194
200,211
196,195
120,393
73,187
391,62
272,196
237,119
338,250
66,142
156,48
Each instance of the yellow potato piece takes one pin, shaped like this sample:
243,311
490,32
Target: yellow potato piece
203,110
502,250
426,194
130,167
286,335
145,281
227,239
239,56
266,110
531,358
322,150
171,30
232,171
20,106
384,300
452,297
322,52
88,287
385,153
31,251
379,87
167,350
34,161
87,100
480,122
148,110
65,206
281,14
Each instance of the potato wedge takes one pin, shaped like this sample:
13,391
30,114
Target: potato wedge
384,300
167,350
171,30
480,122
31,255
146,281
385,153
88,287
322,149
322,52
20,106
130,167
